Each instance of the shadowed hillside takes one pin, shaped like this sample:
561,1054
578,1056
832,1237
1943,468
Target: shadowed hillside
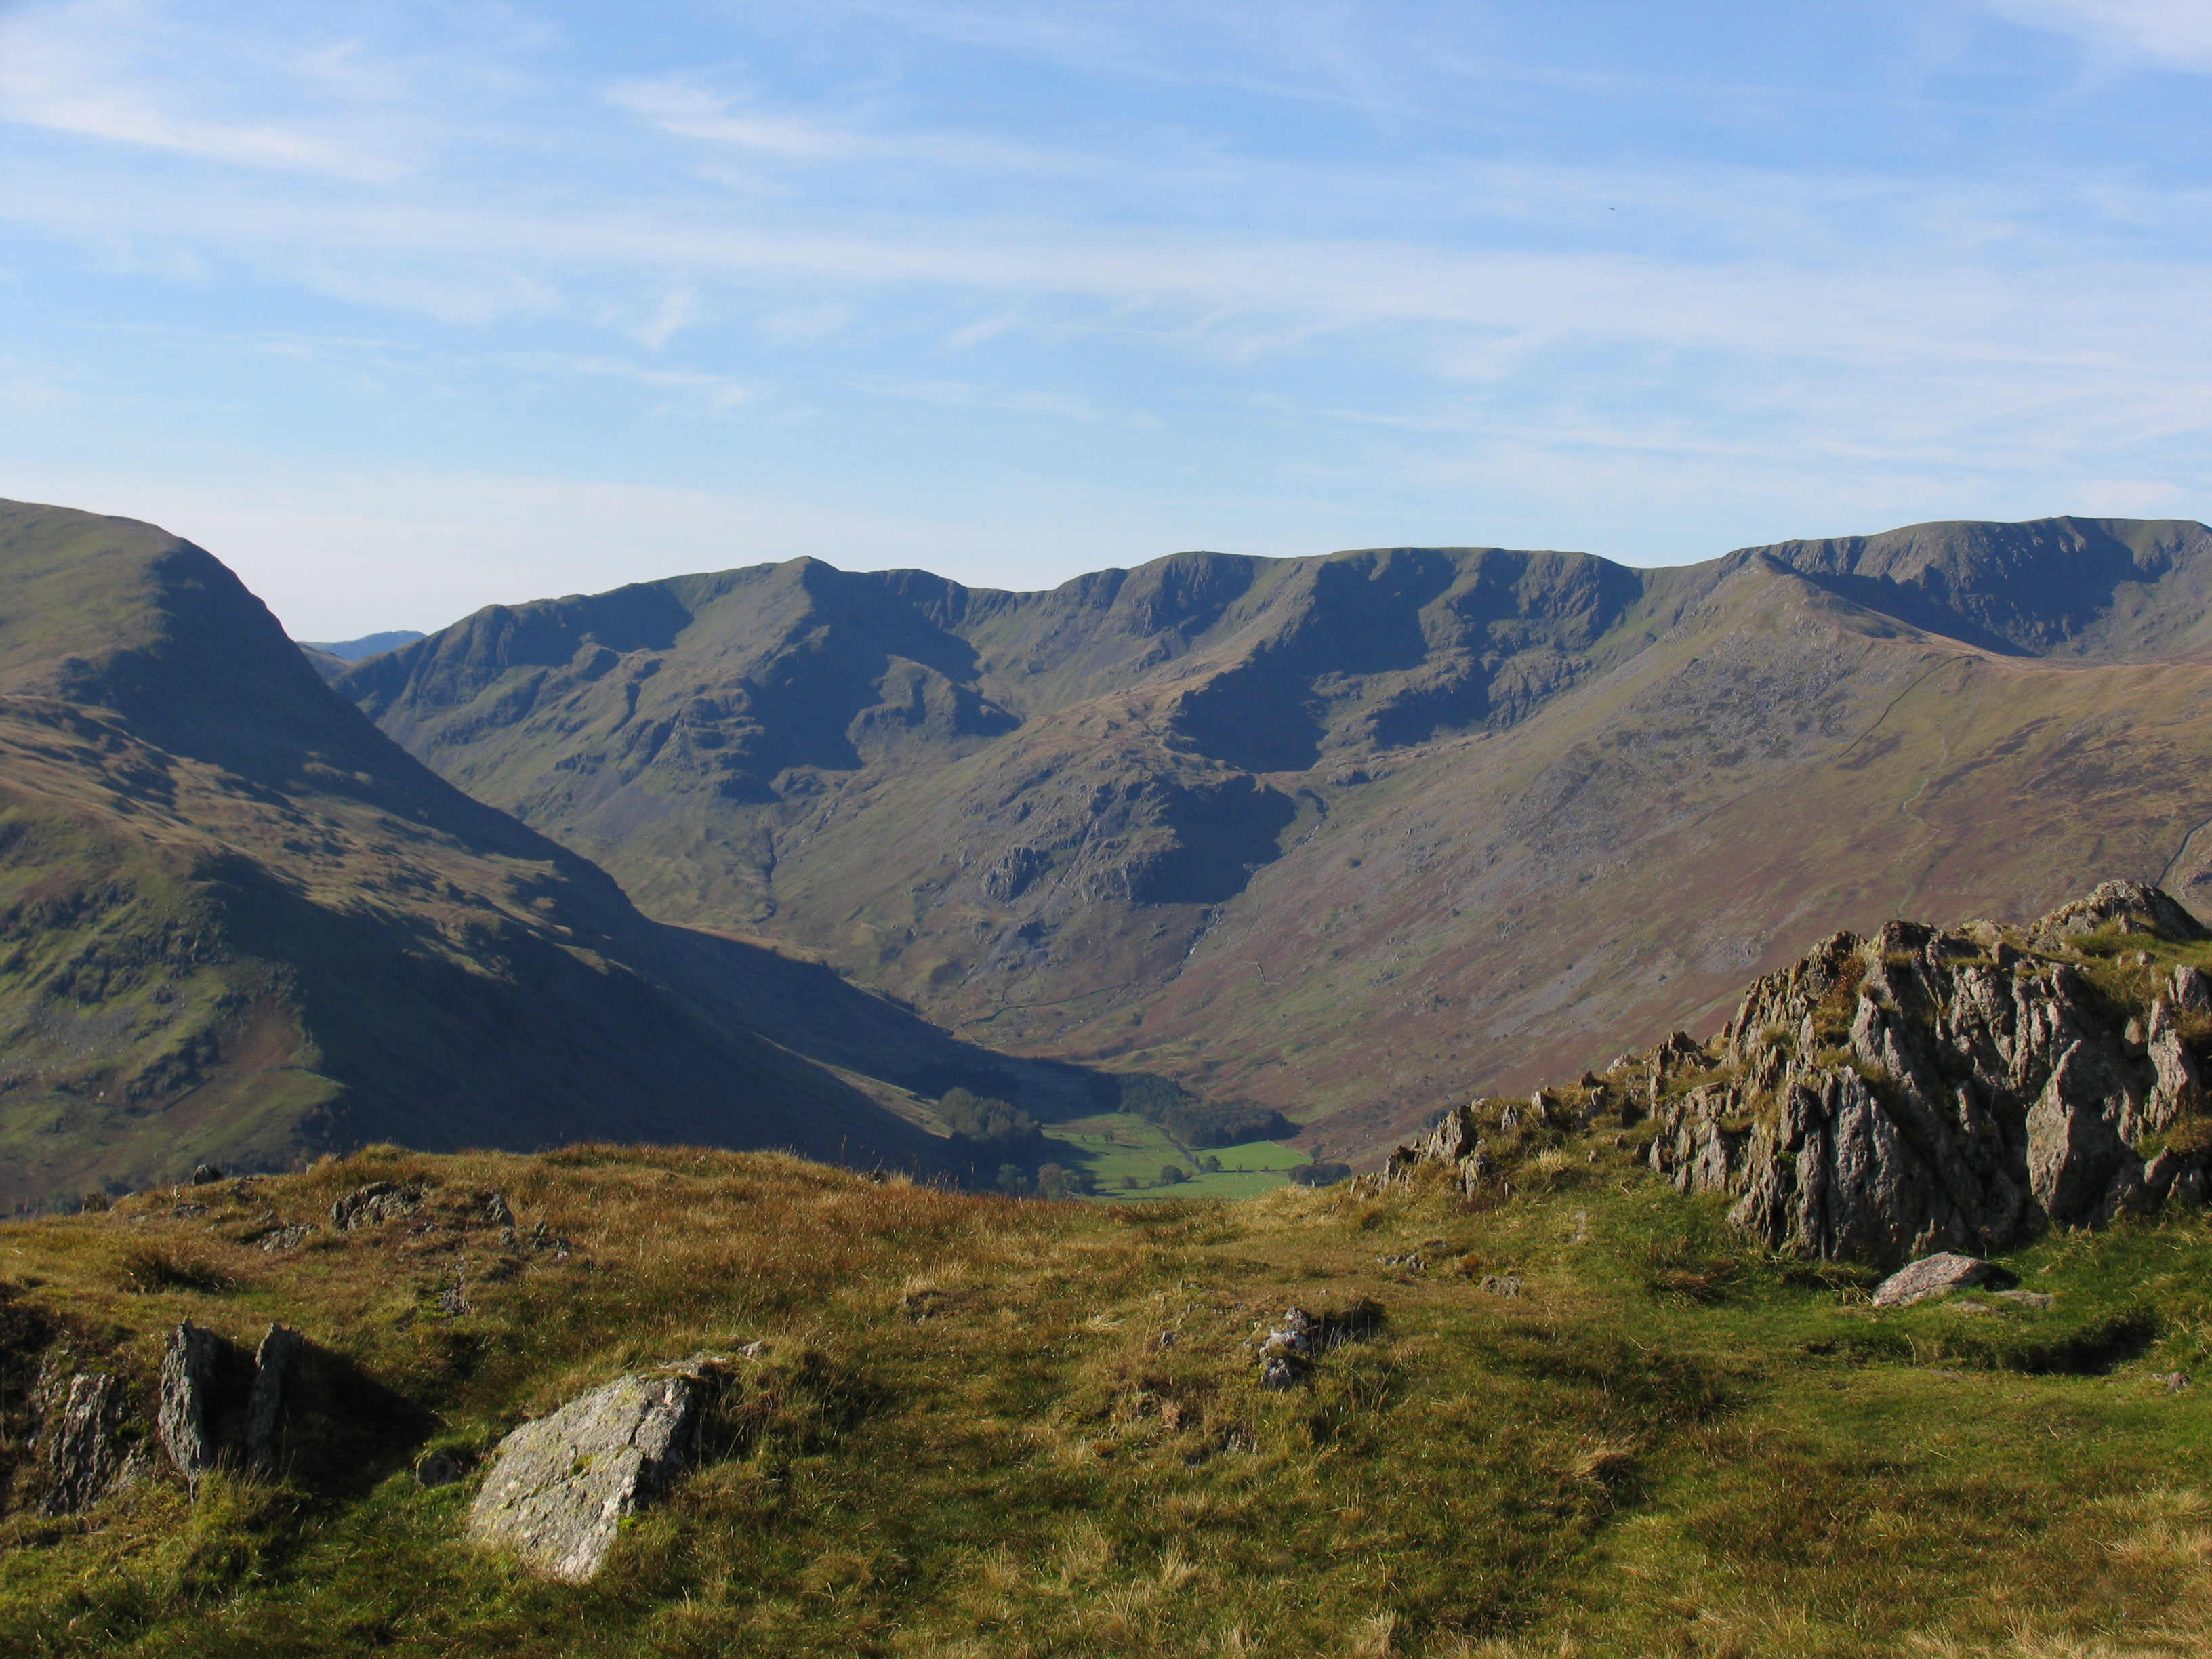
1349,835
239,924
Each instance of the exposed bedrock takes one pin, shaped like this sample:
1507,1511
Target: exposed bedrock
1929,1089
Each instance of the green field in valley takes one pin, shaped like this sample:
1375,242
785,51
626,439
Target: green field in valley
1124,1154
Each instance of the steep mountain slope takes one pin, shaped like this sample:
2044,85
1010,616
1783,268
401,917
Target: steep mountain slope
1351,836
238,923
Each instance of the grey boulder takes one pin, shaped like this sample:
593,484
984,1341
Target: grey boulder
214,1402
559,1487
1931,1276
274,1362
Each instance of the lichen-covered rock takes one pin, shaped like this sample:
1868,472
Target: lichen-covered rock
1924,1090
559,1487
82,1454
1931,1276
2129,905
191,1366
378,1202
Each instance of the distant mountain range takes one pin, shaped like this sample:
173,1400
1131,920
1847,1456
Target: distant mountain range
332,658
368,645
1349,838
238,923
1353,836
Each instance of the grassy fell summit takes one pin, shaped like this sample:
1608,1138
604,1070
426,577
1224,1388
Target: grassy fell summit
1573,1411
240,925
1338,836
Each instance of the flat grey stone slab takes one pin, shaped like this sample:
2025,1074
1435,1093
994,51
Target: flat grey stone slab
559,1487
1932,1275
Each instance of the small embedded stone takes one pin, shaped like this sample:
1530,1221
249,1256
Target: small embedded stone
438,1468
1931,1276
377,1202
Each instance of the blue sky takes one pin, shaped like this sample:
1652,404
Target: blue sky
401,309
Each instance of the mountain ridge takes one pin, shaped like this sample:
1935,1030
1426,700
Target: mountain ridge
1096,821
238,924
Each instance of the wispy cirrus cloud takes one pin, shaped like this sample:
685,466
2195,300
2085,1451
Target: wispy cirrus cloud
82,68
689,111
1264,269
2174,32
715,393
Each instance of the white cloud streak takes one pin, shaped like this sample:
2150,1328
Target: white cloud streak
2173,31
76,69
1469,320
692,111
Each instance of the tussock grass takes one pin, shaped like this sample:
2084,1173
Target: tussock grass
163,1267
993,1427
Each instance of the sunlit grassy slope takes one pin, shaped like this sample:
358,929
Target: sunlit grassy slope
987,1427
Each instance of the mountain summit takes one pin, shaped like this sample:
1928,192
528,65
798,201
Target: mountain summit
1346,835
241,924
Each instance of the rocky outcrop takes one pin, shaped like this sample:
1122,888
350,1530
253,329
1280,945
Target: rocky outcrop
1927,1089
193,1370
213,1405
561,1486
82,1452
378,1202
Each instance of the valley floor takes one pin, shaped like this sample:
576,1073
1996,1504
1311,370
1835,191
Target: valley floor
1590,1421
1125,1155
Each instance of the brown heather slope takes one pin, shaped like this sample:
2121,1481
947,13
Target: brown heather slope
1353,836
238,923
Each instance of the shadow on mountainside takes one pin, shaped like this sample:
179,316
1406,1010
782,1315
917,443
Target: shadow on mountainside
243,926
813,1011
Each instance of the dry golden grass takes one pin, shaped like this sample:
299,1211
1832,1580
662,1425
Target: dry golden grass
994,1427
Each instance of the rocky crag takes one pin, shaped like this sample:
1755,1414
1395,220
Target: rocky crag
1924,1088
1347,835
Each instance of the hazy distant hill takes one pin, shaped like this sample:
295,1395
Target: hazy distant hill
240,923
1353,835
333,658
368,645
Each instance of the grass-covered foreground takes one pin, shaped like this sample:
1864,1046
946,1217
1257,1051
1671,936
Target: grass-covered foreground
994,1427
